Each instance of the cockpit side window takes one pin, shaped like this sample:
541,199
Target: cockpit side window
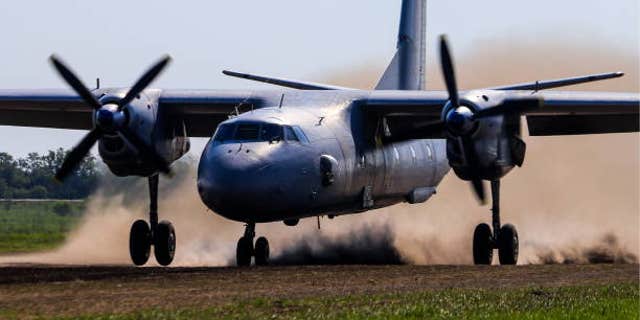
300,134
224,132
290,135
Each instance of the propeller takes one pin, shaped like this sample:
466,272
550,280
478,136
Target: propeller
109,118
461,121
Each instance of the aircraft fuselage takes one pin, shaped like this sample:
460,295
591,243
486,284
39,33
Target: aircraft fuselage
298,160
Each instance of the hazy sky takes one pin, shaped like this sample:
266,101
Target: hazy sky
116,40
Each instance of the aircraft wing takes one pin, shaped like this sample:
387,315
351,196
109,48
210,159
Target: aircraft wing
567,113
44,108
201,110
563,113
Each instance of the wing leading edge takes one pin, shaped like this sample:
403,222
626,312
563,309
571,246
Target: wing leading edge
61,109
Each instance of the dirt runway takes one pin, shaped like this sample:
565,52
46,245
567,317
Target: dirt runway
68,290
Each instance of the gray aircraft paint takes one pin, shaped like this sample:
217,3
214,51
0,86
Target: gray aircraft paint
285,176
357,150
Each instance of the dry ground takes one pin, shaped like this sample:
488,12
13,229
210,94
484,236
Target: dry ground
64,290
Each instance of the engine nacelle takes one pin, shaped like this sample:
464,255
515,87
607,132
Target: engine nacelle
168,137
495,141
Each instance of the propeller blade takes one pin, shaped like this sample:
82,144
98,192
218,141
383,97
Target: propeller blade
472,161
448,71
145,80
74,158
510,106
74,82
145,150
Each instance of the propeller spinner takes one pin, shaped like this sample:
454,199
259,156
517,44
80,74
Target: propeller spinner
108,118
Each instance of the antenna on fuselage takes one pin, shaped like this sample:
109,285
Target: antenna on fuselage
281,100
97,83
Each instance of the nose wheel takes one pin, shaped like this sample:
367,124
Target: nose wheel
161,235
504,238
246,249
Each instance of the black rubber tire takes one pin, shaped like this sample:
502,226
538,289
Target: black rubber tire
508,245
261,251
164,245
140,242
244,251
482,245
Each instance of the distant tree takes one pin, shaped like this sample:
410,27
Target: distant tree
38,192
32,176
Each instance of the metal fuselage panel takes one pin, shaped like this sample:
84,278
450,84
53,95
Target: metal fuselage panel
273,181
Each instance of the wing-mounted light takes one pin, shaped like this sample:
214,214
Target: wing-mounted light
109,117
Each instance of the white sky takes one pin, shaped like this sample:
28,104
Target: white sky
117,39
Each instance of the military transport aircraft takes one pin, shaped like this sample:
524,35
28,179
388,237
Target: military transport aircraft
284,155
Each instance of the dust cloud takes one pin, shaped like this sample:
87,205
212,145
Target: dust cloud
574,195
576,200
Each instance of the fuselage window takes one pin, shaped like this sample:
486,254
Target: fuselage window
429,152
413,154
290,135
224,132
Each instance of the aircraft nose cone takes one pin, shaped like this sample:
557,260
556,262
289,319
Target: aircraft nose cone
238,184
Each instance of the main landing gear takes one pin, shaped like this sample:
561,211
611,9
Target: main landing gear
161,235
246,249
504,238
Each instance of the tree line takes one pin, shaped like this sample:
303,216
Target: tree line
32,177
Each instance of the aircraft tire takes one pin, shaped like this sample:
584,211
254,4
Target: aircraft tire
244,251
164,246
140,242
262,251
482,245
508,245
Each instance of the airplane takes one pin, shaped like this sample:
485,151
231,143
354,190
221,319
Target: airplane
310,149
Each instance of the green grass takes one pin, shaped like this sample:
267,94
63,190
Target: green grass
620,301
35,226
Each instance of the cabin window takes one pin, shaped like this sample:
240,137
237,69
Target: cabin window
429,151
413,154
224,132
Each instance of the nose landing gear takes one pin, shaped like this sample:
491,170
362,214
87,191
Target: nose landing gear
245,249
161,235
504,238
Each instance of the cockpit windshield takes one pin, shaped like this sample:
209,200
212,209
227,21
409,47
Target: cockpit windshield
249,132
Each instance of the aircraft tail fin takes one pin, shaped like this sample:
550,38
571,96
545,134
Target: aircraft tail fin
406,70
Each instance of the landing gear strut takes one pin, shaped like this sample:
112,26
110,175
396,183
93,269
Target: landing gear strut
504,238
245,249
161,235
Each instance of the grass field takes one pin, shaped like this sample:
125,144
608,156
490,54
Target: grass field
619,301
321,292
36,226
